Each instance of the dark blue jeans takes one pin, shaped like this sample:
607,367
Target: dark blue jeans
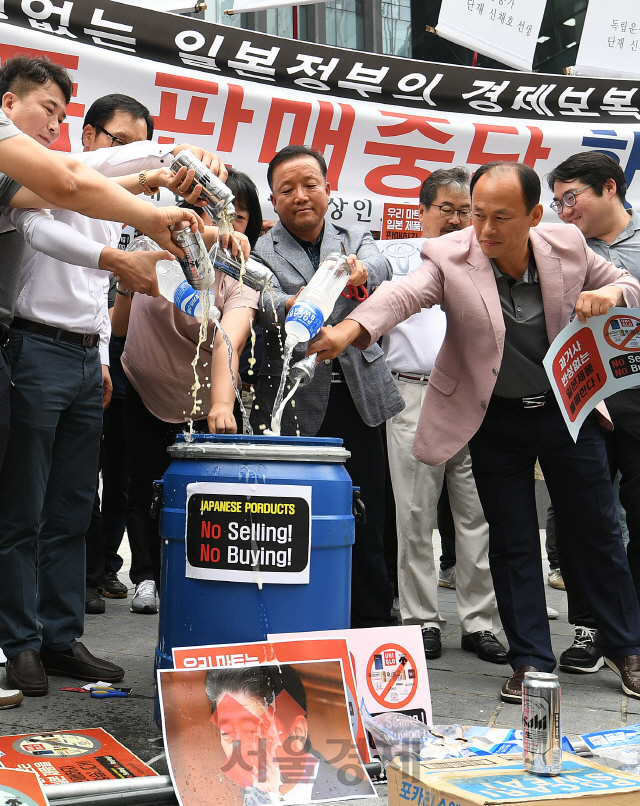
504,452
47,487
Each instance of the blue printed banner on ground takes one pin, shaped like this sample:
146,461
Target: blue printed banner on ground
587,363
241,533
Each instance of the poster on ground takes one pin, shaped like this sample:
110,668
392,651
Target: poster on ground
253,735
235,533
71,756
587,363
390,668
209,657
21,788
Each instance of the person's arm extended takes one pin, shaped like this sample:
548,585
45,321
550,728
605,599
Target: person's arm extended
64,182
235,323
135,270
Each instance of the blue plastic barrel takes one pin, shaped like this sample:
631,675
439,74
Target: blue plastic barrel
196,612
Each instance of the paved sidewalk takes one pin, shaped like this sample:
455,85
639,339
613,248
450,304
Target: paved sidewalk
464,689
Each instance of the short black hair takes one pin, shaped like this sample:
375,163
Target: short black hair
529,179
289,153
22,74
457,178
246,196
590,168
103,109
263,683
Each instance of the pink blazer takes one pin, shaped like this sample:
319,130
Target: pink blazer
457,276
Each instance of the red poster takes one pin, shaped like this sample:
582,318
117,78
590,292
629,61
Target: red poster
21,788
578,371
71,756
401,221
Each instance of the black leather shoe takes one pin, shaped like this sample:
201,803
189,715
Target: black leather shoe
432,642
80,664
93,604
25,672
512,689
485,645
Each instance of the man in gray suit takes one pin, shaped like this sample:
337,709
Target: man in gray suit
350,397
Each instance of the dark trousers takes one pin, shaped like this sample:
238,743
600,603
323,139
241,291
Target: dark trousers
447,529
119,507
148,439
371,598
504,452
5,398
623,447
47,489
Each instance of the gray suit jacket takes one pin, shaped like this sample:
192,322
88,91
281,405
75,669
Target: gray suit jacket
368,377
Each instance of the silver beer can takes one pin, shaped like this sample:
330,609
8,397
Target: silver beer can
196,264
541,723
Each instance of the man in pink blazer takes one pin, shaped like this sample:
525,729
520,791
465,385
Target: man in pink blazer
509,285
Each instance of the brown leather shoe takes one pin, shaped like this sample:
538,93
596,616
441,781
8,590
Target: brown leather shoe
511,691
80,664
25,672
628,670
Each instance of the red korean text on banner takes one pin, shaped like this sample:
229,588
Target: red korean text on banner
401,221
578,371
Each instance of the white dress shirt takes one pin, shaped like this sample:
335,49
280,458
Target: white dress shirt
58,293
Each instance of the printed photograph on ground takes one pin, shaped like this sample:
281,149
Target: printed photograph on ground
251,735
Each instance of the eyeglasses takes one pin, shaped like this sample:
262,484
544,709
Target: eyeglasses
115,141
447,211
568,199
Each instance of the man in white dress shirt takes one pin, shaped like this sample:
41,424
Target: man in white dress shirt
411,349
58,350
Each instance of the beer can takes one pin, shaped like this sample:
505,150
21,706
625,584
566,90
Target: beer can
541,723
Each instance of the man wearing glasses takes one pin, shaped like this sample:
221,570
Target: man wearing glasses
508,286
589,191
411,349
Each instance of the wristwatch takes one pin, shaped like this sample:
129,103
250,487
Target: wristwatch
123,293
148,191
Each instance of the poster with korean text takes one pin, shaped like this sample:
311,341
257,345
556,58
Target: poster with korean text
20,788
71,756
587,363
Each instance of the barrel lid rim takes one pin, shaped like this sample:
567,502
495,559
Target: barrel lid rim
257,439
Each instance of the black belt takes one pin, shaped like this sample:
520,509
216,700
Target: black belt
530,402
83,339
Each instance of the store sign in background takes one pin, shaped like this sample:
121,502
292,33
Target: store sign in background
384,123
236,535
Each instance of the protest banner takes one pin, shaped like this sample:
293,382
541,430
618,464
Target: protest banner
610,41
587,363
211,657
507,32
20,788
385,123
257,734
71,756
400,221
230,530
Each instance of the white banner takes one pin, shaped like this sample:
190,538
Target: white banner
610,43
507,31
587,363
376,152
264,5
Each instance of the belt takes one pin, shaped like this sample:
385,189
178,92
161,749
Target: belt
83,339
247,387
337,375
410,377
530,402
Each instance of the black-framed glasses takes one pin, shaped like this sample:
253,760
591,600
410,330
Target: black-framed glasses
115,141
568,199
447,211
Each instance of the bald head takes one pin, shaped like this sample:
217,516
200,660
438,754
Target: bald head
526,177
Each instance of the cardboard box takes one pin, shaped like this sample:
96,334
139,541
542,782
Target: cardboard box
497,780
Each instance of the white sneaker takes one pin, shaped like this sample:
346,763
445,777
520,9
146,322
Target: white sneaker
552,613
144,600
10,697
447,579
